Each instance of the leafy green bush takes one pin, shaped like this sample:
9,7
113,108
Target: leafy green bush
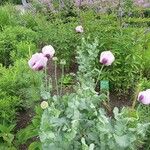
6,137
23,50
20,81
31,131
31,21
128,65
144,112
8,16
22,34
8,107
4,17
10,1
81,121
62,37
11,38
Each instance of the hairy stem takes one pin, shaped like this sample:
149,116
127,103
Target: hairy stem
56,81
99,75
46,79
62,76
136,95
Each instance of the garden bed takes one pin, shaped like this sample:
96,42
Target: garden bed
57,101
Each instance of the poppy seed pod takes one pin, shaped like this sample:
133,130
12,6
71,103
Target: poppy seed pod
44,105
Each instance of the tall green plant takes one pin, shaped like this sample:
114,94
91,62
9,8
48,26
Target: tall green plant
77,121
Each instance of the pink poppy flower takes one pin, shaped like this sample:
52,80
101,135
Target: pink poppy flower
48,51
79,29
144,97
37,62
107,58
140,1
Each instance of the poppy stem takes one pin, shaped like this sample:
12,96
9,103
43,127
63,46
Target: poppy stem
136,95
99,74
56,82
46,79
62,76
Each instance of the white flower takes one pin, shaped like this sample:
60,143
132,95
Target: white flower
48,51
79,29
37,62
144,97
107,58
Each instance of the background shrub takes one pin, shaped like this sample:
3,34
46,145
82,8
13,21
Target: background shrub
19,88
7,103
129,44
11,38
10,1
21,35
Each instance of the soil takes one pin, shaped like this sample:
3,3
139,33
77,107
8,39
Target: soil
120,101
25,146
24,118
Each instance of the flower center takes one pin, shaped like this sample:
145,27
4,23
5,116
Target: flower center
48,56
141,97
40,67
104,61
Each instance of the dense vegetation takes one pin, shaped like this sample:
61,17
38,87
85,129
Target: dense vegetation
125,34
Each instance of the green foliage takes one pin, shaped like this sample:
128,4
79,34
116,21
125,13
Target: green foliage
31,131
145,54
19,88
10,1
125,71
129,63
14,39
20,81
53,9
4,17
66,80
77,121
7,103
79,116
87,54
31,21
144,112
62,37
6,136
144,84
7,16
23,50
35,145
